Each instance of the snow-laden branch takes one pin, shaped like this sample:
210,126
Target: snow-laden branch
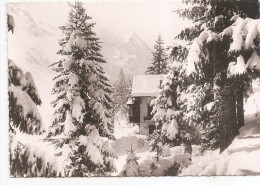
195,52
244,33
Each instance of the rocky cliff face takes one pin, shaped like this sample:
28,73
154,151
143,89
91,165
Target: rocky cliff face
129,53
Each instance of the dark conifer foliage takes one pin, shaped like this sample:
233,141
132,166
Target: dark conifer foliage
159,63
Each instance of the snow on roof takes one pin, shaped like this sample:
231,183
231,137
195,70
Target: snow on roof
146,85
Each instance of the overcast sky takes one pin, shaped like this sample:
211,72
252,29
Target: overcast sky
146,19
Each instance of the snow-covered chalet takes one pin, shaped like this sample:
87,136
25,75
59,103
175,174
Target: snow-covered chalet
144,89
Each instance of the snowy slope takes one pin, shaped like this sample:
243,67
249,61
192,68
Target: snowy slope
33,47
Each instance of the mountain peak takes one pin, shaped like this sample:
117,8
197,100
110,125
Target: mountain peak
134,35
134,39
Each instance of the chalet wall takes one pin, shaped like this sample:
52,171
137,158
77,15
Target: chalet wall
144,127
143,107
144,124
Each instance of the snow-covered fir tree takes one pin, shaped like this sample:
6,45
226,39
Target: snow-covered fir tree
208,99
83,103
159,63
121,93
131,167
167,113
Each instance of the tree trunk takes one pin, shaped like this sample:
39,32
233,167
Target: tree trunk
228,125
240,109
232,114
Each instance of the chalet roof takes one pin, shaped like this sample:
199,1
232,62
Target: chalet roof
146,85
